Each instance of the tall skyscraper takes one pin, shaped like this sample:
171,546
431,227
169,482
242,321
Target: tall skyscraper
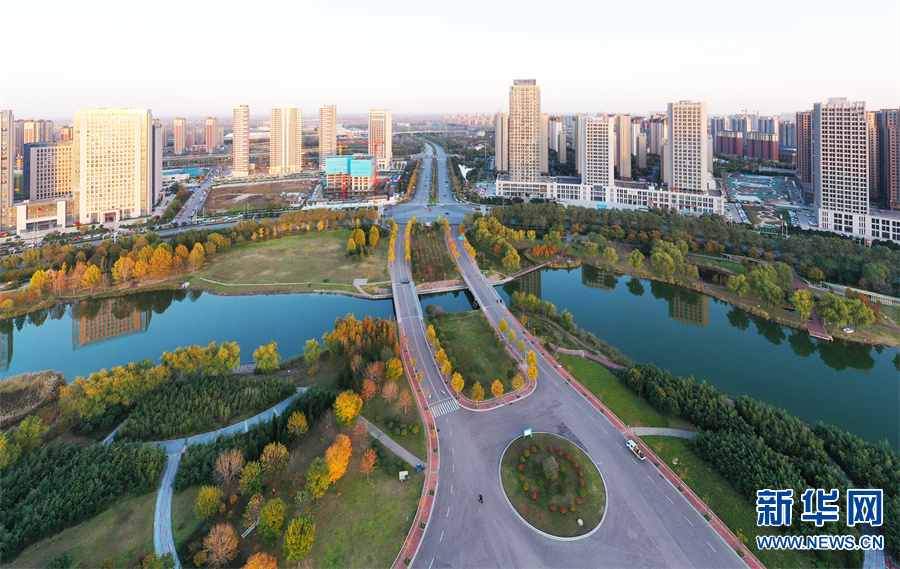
805,152
600,149
327,133
889,155
380,133
212,134
642,151
525,131
657,134
114,164
545,144
501,142
717,125
787,133
18,139
180,135
687,147
872,134
841,165
561,146
240,148
623,146
285,140
7,166
579,142
768,125
66,133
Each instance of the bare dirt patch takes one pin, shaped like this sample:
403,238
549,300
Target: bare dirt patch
235,197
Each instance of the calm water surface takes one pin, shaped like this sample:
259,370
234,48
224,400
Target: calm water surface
852,386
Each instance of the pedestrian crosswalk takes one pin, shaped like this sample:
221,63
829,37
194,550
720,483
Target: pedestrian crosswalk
444,407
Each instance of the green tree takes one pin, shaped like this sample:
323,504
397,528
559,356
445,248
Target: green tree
207,502
803,302
521,347
511,260
271,520
91,277
739,285
636,259
610,255
267,358
318,478
252,478
31,256
311,354
299,537
662,262
591,249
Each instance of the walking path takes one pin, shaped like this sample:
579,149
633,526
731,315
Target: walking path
680,433
814,325
391,443
587,355
163,541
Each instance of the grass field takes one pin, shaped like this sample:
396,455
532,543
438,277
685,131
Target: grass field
123,532
377,513
479,355
736,511
380,407
563,493
736,267
626,404
314,257
236,197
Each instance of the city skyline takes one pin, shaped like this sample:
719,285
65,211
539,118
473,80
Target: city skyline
788,68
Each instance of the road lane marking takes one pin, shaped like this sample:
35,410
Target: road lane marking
451,488
448,514
651,480
711,547
604,430
592,417
442,537
670,500
689,521
432,563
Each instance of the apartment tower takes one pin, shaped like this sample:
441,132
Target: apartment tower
687,147
285,140
180,135
525,143
841,165
7,165
623,146
327,133
889,155
212,134
599,151
545,144
113,160
380,133
501,142
240,149
804,146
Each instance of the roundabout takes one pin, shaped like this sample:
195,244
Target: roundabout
553,486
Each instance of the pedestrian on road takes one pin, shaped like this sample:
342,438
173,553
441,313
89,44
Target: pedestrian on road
480,500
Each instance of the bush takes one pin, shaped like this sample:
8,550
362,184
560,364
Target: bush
581,481
562,510
403,432
575,464
525,486
527,454
415,429
390,424
521,467
553,507
533,495
533,449
577,501
396,431
582,492
568,456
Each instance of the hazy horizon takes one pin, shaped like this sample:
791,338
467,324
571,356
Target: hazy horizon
198,59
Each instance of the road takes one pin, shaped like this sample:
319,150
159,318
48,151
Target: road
647,522
194,205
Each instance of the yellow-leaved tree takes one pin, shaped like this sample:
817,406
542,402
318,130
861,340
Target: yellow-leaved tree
477,392
347,407
497,388
337,457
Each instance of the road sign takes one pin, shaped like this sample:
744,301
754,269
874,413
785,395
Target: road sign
527,433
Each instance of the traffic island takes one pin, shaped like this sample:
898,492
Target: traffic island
553,486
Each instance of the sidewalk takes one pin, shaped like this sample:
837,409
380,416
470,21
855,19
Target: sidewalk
390,443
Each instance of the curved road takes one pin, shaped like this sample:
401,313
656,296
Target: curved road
647,522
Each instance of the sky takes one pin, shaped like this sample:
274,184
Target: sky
197,58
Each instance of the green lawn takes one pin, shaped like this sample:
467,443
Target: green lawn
563,493
736,511
123,532
479,355
625,403
377,513
736,267
379,407
311,257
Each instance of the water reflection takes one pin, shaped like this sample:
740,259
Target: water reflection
106,320
635,286
593,277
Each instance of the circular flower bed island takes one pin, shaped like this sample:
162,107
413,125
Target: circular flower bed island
553,485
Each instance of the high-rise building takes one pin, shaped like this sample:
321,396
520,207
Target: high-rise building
730,142
180,135
841,165
805,153
687,147
350,176
623,146
285,140
642,151
66,133
562,147
768,125
787,133
327,133
635,132
717,125
18,139
501,142
762,145
114,164
553,133
212,134
545,144
657,134
240,148
600,150
380,135
47,170
872,134
579,125
889,155
525,131
7,167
